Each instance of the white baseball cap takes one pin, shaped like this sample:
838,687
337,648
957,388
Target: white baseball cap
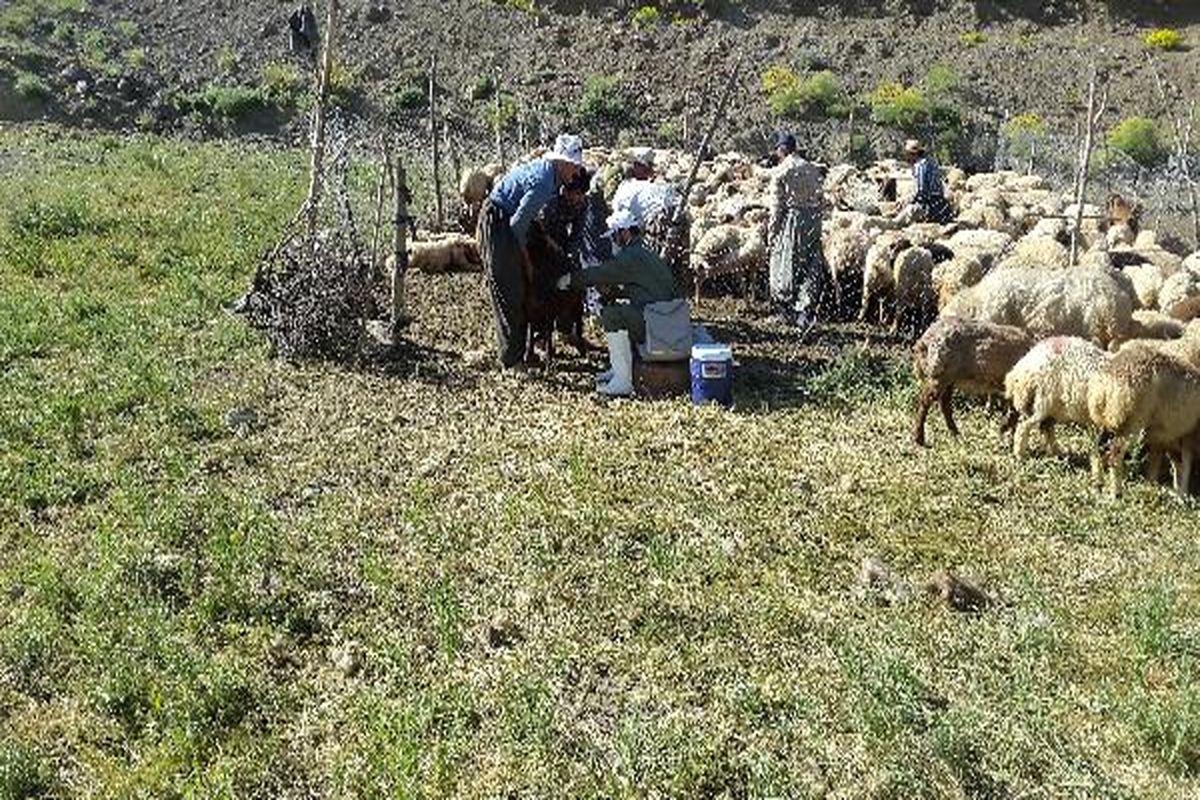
569,148
622,220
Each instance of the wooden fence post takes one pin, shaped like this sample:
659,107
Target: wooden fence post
318,137
399,248
434,141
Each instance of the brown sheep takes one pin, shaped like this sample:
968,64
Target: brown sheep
956,353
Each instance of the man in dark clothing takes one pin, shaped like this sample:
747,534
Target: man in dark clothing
636,277
928,202
302,26
504,223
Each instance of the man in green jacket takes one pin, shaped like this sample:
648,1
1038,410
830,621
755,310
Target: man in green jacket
633,278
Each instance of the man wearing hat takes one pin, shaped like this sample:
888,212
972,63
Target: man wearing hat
654,204
797,260
636,277
504,224
928,203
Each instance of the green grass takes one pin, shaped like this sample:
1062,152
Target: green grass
674,585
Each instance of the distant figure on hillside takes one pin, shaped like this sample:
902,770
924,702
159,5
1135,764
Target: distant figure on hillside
302,26
504,222
794,236
928,202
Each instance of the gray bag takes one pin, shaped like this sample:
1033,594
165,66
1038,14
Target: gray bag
668,331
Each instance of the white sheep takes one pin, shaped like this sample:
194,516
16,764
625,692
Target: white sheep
985,245
1151,324
951,277
1037,251
1147,281
846,254
727,249
1095,304
1179,295
879,282
912,275
453,252
1143,390
1049,385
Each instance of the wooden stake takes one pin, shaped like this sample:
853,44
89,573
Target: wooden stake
318,138
712,128
400,197
499,121
435,141
1085,161
385,179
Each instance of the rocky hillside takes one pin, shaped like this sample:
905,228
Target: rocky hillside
614,70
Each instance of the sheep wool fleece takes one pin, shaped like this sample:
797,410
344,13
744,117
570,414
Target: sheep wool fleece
639,276
503,268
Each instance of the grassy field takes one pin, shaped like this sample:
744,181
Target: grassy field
430,579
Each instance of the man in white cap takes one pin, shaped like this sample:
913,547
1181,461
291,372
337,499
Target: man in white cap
634,278
503,229
654,204
928,202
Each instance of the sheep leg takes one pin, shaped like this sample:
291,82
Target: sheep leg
1009,423
1051,440
1116,462
1183,476
944,399
1021,436
1154,463
924,403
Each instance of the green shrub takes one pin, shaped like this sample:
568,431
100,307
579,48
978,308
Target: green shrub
227,60
32,87
972,38
502,116
483,88
941,84
1024,133
603,103
128,29
26,17
898,106
409,98
281,81
223,102
343,85
1165,39
790,96
646,16
668,133
1138,138
134,57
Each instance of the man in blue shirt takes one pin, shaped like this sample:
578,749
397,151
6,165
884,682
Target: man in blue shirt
928,203
504,223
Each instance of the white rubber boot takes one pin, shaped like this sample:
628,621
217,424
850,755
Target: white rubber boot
620,353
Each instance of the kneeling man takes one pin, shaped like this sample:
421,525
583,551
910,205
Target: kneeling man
634,278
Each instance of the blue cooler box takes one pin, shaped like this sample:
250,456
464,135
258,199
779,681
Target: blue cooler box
712,374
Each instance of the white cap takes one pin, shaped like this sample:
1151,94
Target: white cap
567,148
622,220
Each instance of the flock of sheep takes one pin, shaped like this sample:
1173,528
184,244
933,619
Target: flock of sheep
1109,343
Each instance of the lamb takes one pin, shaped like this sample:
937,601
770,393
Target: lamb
951,277
726,249
846,254
1038,251
1143,390
912,275
1155,325
879,280
962,354
1179,295
1095,304
1050,384
1147,281
474,185
449,253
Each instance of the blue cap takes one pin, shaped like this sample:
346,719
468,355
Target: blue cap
786,141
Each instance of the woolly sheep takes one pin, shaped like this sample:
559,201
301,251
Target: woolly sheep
1179,295
846,254
726,249
951,277
879,281
1095,304
987,246
972,357
1150,324
449,253
912,275
1147,281
1143,390
1050,385
1037,251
